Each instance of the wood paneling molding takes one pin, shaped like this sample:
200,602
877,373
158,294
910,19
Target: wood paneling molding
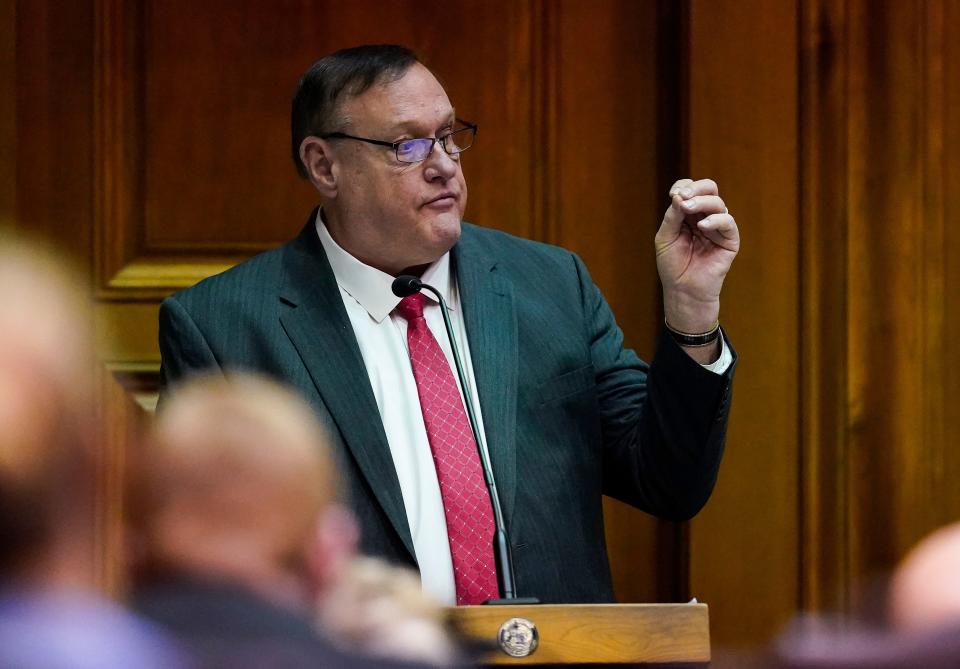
824,538
123,423
545,46
153,277
118,131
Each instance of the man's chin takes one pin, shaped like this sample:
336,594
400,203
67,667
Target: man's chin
432,240
446,232
454,228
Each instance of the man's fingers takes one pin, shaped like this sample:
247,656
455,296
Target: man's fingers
686,188
721,229
697,199
703,204
700,187
678,186
673,218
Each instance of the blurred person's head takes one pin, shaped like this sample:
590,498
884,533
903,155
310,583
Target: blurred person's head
239,486
381,610
47,422
925,588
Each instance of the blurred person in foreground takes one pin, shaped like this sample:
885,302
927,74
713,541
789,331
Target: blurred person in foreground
241,531
50,616
394,617
922,627
925,589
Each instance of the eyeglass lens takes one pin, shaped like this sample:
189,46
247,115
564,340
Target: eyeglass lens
415,150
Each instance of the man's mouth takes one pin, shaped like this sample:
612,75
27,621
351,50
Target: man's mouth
445,198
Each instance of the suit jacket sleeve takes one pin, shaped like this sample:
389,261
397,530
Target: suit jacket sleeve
183,348
663,424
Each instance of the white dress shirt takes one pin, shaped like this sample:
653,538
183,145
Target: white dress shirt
382,338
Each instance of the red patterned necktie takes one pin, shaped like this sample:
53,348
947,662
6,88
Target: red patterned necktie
466,501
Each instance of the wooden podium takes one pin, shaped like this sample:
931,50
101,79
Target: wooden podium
590,633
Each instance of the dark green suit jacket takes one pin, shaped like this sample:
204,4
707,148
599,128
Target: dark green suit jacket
569,413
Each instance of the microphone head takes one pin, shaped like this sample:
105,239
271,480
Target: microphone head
405,285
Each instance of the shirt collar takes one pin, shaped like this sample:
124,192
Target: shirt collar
370,287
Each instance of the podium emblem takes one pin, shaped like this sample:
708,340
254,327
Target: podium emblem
518,637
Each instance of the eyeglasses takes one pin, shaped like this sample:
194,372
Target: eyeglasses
416,150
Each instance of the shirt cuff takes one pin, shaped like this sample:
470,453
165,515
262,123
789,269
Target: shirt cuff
721,364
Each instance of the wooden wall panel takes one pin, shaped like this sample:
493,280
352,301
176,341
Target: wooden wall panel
881,297
218,170
238,106
608,199
193,124
886,282
605,201
54,183
950,185
743,132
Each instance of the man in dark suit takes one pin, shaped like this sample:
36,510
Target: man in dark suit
566,414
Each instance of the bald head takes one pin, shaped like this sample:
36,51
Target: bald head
46,391
925,590
45,318
238,473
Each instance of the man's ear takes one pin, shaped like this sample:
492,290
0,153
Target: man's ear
318,163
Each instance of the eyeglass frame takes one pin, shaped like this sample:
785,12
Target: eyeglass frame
396,145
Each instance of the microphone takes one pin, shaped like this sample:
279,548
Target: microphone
403,286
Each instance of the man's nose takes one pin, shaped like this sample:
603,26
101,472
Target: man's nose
439,164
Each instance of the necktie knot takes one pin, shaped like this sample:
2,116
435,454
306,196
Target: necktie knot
411,307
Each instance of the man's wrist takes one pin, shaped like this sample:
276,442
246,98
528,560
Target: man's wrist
690,316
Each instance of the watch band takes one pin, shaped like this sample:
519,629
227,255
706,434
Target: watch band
694,340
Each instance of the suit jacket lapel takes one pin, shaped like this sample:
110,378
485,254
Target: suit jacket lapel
320,330
490,316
